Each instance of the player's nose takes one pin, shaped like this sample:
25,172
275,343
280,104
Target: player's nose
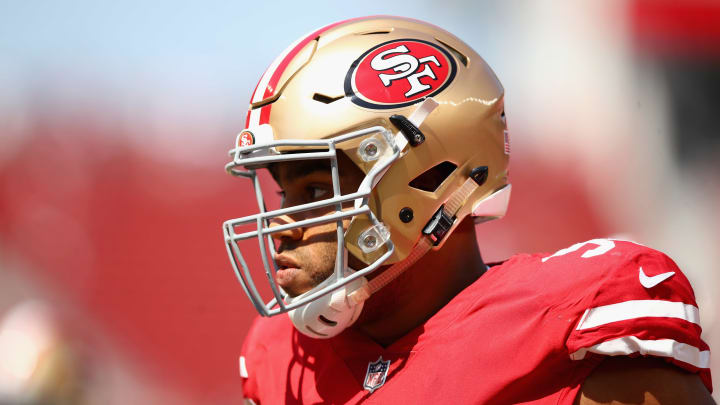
291,233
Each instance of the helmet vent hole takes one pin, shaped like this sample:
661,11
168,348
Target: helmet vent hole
326,99
462,58
326,321
377,32
432,178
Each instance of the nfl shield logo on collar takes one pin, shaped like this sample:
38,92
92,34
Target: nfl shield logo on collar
376,374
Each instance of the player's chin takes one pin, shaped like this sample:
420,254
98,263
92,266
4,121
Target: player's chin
293,282
296,282
293,292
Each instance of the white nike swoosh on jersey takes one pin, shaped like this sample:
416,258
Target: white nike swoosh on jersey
650,282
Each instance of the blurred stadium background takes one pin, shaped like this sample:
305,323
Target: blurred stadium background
115,119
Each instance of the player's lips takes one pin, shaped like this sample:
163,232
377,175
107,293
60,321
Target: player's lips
287,270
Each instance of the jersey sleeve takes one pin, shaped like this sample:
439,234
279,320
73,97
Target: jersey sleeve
638,303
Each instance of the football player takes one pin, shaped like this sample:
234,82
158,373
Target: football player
388,141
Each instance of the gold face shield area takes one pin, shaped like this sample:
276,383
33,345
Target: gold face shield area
253,234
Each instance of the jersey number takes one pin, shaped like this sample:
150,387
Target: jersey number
603,246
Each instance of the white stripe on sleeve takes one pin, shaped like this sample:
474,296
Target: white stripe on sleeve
638,309
243,368
662,347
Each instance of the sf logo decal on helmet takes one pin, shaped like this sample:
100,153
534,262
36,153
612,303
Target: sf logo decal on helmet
399,73
246,138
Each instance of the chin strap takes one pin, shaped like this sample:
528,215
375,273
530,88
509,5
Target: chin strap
431,236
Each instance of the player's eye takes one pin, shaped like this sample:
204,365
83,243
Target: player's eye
318,192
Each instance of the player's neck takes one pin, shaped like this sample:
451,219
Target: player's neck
422,290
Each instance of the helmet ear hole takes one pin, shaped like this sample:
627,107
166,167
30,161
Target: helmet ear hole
432,178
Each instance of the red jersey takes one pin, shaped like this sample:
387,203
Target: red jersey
530,330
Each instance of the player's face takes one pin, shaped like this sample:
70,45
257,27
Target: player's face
306,256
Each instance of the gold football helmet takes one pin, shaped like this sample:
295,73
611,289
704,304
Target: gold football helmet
416,109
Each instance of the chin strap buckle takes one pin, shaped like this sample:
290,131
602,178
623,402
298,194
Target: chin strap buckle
439,225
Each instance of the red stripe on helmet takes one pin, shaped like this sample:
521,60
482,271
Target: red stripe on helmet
275,78
247,118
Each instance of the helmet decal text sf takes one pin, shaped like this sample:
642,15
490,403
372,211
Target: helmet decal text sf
399,73
246,138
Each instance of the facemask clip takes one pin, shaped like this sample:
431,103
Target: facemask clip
373,238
